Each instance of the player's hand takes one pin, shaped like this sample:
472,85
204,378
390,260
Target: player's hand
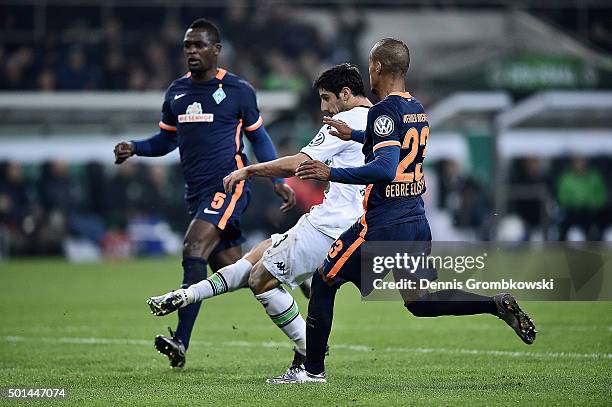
340,128
286,192
123,151
312,169
230,181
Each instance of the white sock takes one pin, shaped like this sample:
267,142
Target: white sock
229,278
284,312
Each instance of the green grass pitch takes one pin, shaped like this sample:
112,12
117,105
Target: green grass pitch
86,328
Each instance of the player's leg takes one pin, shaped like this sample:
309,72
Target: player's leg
232,273
200,240
280,307
210,232
230,277
340,265
319,323
224,257
422,303
459,302
318,328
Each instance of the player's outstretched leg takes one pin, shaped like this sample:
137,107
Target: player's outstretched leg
509,311
281,308
227,279
318,327
167,303
459,302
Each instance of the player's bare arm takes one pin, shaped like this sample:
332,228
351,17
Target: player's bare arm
123,151
283,167
312,169
280,168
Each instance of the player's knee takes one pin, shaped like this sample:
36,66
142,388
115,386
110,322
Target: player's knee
194,271
256,279
260,279
193,247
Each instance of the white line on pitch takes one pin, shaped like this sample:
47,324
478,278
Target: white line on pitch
272,344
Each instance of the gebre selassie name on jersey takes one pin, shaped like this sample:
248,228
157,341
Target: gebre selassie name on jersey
415,118
405,189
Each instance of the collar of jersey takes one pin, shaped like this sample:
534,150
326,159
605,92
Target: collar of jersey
220,75
406,95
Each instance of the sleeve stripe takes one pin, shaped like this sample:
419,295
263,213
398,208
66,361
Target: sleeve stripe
255,125
165,126
386,144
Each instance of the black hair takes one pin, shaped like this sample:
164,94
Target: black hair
208,26
392,54
341,76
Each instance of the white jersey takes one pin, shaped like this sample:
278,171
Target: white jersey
342,205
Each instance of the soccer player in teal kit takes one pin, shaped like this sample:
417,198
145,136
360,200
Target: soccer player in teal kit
394,144
205,114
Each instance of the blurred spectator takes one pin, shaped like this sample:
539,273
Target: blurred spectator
161,200
474,209
46,81
158,63
126,191
237,25
65,203
450,181
14,206
529,192
76,73
120,61
96,192
137,79
581,194
19,70
351,25
282,74
114,71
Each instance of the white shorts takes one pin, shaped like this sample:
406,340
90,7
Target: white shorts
295,255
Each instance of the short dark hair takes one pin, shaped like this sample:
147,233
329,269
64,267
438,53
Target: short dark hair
208,26
341,76
392,54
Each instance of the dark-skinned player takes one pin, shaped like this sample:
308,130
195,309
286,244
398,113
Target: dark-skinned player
394,144
205,114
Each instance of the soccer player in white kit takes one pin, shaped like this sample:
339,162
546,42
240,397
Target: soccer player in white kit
292,257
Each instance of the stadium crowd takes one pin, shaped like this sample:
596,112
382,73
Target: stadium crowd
86,52
42,205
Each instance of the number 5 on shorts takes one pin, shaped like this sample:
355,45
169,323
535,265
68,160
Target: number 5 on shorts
218,200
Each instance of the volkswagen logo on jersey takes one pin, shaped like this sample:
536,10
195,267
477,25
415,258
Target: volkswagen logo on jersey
383,126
